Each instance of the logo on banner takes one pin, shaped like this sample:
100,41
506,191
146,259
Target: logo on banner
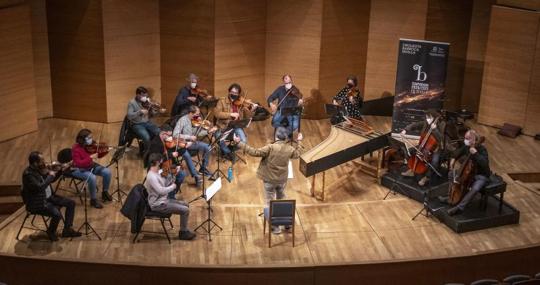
420,75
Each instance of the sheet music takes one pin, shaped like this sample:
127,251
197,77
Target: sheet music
213,189
291,174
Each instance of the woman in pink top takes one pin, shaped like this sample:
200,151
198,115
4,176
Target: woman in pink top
86,169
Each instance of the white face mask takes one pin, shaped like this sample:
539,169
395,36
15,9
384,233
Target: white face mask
429,120
288,86
467,142
193,84
88,141
144,99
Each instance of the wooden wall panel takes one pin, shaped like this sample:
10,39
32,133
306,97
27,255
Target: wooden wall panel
510,53
42,68
186,44
77,59
449,21
131,38
344,37
532,114
526,4
293,43
389,21
17,94
476,51
240,27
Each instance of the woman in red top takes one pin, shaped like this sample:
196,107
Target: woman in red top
86,169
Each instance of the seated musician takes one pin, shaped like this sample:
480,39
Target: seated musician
86,169
139,116
39,197
158,188
174,153
185,130
432,121
228,109
479,156
350,98
188,95
285,96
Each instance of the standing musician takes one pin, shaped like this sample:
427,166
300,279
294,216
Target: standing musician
478,154
350,98
39,197
234,107
184,129
86,169
139,112
430,146
285,96
189,95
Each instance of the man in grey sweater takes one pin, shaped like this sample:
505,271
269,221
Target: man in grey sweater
158,189
139,116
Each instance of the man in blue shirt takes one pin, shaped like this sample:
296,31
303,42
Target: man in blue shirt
285,96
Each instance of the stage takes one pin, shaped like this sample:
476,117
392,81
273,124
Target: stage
354,225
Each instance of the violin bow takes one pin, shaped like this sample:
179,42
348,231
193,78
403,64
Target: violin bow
199,128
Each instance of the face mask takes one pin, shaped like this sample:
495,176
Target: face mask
88,141
144,99
350,85
288,86
193,84
467,142
429,120
233,96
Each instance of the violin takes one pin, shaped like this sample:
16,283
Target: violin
58,167
459,186
241,101
175,142
153,107
168,168
199,122
203,93
102,150
428,144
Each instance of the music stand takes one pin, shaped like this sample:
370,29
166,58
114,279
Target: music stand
218,172
238,124
331,109
117,156
209,224
88,229
209,104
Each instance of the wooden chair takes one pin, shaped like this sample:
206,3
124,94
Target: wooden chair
279,213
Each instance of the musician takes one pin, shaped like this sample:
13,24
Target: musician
139,116
274,166
185,130
350,98
482,172
157,146
186,97
158,190
86,169
432,121
285,96
40,199
229,109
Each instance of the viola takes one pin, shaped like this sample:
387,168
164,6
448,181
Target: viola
459,186
102,150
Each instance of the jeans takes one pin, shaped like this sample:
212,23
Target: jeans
52,205
293,121
86,175
273,191
145,131
435,161
189,162
175,207
225,149
478,183
205,148
179,179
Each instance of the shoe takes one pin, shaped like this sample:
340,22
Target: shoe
287,229
105,196
70,233
198,181
454,211
423,181
52,235
186,235
205,172
276,230
408,173
96,204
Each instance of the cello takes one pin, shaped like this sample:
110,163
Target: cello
461,182
428,144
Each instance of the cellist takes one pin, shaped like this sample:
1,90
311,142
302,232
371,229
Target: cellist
433,125
481,171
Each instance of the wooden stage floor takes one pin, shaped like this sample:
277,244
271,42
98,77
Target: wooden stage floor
353,225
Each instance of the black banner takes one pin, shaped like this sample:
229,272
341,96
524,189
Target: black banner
421,74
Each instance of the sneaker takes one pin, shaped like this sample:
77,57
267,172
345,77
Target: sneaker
408,173
70,233
205,172
186,235
52,235
105,196
276,230
423,181
96,204
454,211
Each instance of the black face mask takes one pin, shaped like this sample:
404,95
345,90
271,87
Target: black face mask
350,85
233,97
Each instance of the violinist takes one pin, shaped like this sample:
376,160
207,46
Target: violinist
189,95
285,96
434,126
350,98
85,169
184,129
478,154
139,116
234,107
39,197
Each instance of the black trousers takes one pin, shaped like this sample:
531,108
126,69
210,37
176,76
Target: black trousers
52,209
